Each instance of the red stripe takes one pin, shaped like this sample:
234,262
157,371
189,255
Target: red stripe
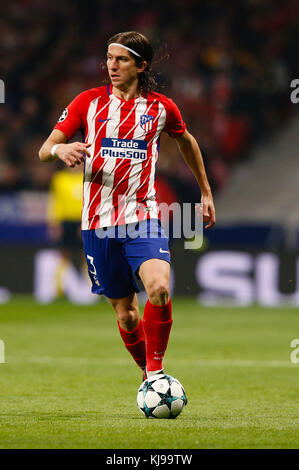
98,163
101,162
152,109
121,176
149,104
147,165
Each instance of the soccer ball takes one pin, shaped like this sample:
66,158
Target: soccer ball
161,396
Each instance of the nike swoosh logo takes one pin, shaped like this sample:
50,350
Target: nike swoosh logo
163,251
104,120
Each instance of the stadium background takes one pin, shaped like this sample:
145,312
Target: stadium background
229,69
67,381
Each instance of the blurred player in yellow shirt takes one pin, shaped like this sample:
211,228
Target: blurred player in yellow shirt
65,205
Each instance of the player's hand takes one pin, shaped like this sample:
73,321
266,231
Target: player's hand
72,154
209,214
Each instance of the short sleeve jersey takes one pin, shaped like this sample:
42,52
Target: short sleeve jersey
119,177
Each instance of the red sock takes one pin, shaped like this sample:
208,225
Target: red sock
157,321
135,344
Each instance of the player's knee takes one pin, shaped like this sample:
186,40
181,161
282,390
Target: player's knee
128,319
158,292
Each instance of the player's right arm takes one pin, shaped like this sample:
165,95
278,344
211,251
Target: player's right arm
69,123
71,154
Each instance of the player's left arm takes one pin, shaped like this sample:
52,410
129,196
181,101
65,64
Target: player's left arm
192,155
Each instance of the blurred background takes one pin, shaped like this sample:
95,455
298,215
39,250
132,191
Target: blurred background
229,70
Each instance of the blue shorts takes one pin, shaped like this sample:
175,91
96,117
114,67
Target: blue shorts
114,255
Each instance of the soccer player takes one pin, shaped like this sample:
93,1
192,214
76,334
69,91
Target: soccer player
121,124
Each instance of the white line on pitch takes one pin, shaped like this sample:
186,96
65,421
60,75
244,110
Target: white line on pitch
121,361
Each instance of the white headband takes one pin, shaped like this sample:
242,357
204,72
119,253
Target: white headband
125,47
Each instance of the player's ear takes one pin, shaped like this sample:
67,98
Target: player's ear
141,67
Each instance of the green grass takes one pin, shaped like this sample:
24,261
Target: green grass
68,382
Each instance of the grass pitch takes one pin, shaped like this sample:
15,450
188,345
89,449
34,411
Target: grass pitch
68,382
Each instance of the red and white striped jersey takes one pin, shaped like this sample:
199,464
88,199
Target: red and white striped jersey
119,178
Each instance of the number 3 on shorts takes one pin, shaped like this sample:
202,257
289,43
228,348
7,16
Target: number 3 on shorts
94,271
90,259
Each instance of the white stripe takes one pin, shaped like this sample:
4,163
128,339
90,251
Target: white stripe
115,113
94,118
121,200
151,188
129,197
103,183
104,208
107,166
104,163
87,184
133,164
177,361
88,161
136,170
128,115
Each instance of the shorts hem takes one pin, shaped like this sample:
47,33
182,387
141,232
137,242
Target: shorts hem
122,295
118,296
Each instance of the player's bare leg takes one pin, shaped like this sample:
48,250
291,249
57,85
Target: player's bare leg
131,327
127,311
155,275
157,318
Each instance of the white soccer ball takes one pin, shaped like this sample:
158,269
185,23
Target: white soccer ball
161,396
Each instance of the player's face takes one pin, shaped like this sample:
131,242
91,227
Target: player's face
122,68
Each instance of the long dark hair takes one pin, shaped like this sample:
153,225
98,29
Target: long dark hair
140,44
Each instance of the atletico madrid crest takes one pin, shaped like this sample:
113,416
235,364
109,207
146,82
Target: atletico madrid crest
146,122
